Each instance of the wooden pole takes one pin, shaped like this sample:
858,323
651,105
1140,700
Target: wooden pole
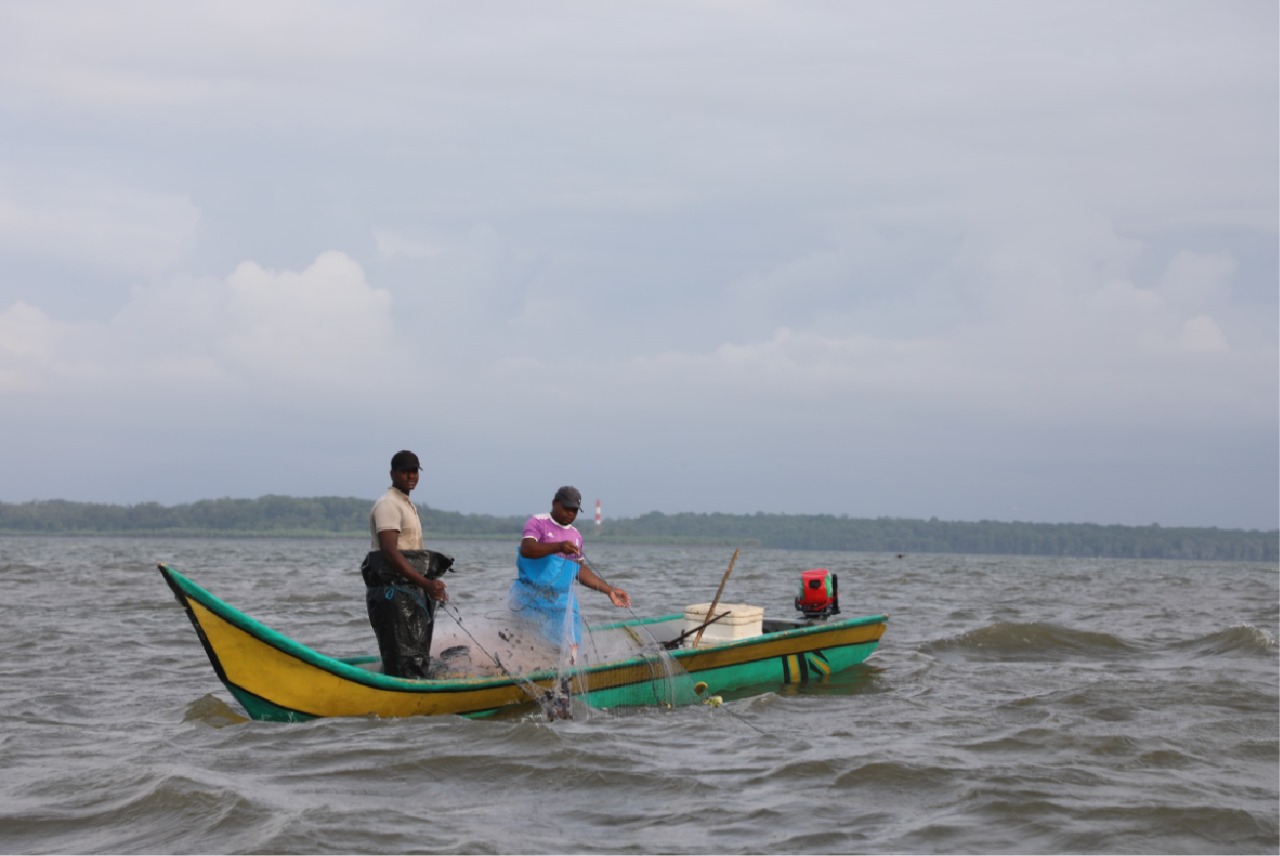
711,609
675,643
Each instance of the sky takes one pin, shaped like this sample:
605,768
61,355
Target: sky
968,260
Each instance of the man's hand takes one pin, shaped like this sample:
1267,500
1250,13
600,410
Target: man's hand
436,591
569,548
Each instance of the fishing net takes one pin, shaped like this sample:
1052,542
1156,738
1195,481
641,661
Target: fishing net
567,668
638,669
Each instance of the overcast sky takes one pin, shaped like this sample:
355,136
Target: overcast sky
971,260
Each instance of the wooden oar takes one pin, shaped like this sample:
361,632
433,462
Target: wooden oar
711,609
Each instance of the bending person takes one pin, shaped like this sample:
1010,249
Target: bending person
549,560
398,592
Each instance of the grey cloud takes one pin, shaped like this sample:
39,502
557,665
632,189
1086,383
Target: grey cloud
973,260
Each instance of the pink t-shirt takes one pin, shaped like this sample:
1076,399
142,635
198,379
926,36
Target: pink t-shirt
544,530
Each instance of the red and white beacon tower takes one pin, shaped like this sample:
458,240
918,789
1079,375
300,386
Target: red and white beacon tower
598,515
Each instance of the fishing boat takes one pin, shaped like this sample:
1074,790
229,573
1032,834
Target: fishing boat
279,679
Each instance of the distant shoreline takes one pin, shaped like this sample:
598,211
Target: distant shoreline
347,517
364,537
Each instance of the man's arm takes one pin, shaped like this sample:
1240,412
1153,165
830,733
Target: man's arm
592,580
387,539
531,548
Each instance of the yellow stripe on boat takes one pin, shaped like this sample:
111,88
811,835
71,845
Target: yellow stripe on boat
269,673
782,644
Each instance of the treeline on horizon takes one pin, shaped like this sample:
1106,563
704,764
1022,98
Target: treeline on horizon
332,517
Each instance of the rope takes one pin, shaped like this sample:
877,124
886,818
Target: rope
389,592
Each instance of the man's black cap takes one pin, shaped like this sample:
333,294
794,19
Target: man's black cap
569,497
404,460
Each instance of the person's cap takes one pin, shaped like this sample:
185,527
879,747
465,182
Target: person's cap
404,460
569,497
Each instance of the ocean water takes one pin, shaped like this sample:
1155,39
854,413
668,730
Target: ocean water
1015,705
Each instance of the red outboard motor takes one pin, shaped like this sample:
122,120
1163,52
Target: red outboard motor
819,596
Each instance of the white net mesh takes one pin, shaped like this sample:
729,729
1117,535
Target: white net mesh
566,669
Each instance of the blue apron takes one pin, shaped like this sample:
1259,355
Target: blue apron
543,595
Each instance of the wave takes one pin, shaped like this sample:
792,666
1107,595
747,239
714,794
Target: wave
213,711
1035,641
1238,639
1041,641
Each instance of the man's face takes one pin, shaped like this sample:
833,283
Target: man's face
404,480
562,515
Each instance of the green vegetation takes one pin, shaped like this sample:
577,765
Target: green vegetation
898,535
279,516
344,517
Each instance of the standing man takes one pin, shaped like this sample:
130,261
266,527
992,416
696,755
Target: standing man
549,560
398,593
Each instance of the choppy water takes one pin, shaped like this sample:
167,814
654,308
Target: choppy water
1016,705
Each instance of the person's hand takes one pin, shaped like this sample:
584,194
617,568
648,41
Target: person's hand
436,591
569,548
619,597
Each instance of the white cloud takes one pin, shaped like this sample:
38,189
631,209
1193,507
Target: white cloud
1201,334
261,332
148,56
321,326
392,244
1033,321
86,220
29,339
793,365
1197,280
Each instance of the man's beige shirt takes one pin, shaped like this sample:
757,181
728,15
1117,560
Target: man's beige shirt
394,510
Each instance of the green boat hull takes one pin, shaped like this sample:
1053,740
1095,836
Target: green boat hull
276,678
